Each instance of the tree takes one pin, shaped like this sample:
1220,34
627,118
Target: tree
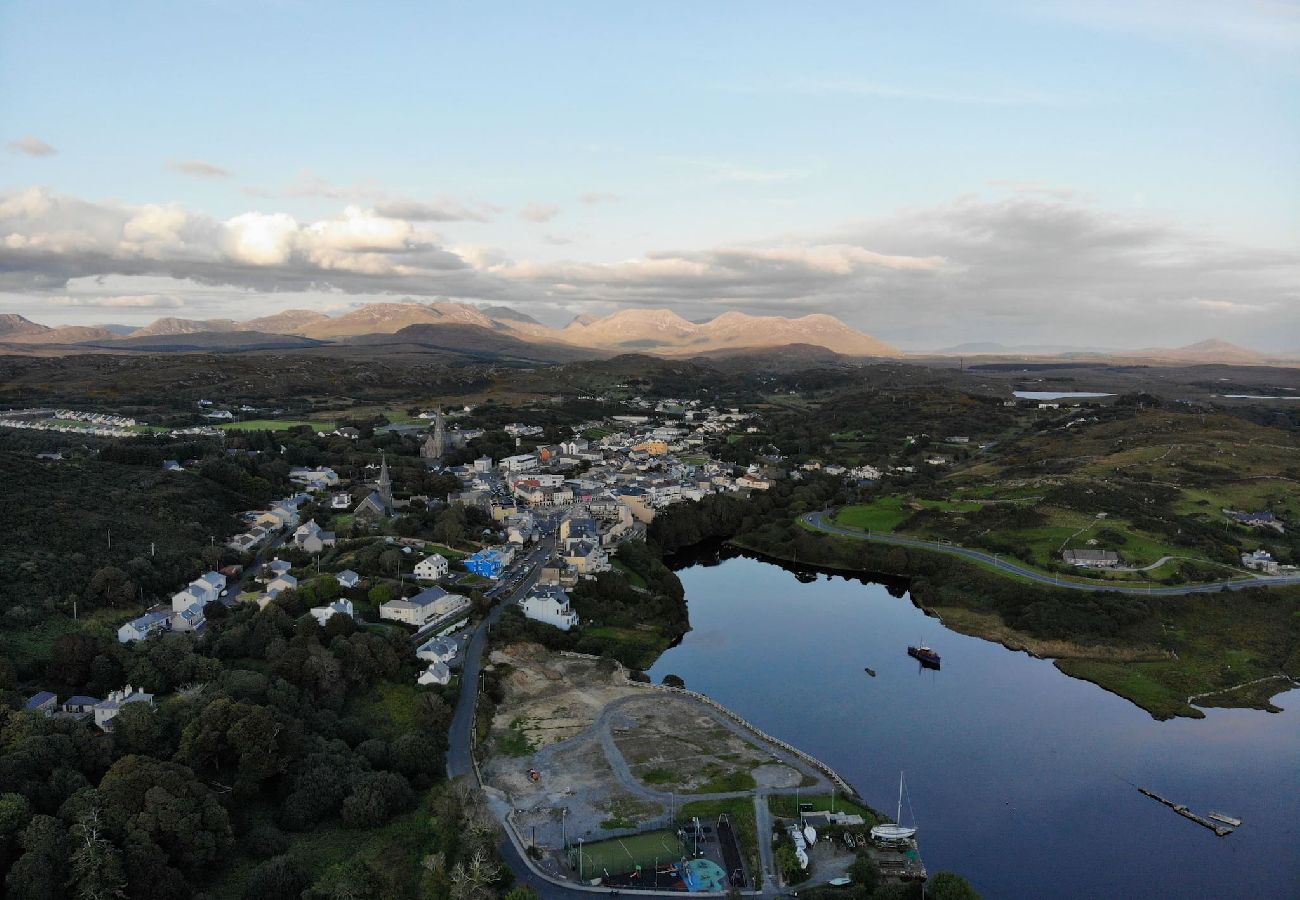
674,681
390,561
472,879
865,873
38,873
950,886
375,798
381,594
96,864
521,892
172,806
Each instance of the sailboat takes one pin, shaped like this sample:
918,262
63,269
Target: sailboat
894,834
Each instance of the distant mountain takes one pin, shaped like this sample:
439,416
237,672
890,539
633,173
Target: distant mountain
992,347
471,340
170,325
657,331
1210,351
664,331
15,326
183,342
117,329
67,334
290,321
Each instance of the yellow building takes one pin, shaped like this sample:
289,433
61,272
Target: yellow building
654,448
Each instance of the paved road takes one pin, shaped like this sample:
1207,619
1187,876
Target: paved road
821,521
462,723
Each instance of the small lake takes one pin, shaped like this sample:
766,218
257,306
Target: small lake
1057,395
1018,776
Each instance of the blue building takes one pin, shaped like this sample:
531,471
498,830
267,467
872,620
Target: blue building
487,562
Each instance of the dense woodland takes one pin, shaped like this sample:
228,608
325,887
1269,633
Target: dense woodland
270,728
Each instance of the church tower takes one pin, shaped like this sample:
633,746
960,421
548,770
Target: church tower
435,444
385,482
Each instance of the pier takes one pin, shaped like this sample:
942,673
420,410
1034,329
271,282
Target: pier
1186,813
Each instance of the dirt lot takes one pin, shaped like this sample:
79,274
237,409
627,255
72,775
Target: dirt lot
612,757
683,747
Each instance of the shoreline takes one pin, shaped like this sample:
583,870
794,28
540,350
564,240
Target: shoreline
1067,657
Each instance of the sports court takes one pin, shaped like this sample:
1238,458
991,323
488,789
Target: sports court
620,856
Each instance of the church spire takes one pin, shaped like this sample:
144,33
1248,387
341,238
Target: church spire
385,482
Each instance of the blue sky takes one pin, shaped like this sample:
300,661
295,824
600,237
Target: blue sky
928,172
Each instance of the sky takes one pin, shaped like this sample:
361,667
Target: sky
1113,174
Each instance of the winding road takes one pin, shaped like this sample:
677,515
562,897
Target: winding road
821,522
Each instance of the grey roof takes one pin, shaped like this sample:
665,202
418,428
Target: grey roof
39,699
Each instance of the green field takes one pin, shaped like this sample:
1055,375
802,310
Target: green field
887,513
276,425
619,856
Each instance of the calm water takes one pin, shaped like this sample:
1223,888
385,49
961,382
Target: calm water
1057,395
1014,770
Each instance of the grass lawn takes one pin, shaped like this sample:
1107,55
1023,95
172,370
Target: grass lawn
275,425
633,578
885,514
787,806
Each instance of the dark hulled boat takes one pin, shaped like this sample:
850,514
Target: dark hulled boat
925,656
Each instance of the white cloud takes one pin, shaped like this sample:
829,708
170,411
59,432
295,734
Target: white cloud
259,239
31,145
539,212
1035,264
441,210
595,197
197,168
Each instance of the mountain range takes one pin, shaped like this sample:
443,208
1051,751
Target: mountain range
657,331
498,331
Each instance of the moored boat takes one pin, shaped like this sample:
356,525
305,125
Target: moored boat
894,834
924,655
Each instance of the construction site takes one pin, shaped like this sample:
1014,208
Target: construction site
607,780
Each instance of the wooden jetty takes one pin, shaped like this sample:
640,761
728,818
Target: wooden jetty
1187,813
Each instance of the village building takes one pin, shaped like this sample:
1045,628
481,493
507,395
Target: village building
1091,558
432,568
428,605
549,604
322,614
106,710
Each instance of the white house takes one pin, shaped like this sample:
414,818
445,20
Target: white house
280,584
437,673
140,628
549,604
311,538
521,463
314,479
106,710
348,579
323,614
423,608
431,568
1262,561
436,650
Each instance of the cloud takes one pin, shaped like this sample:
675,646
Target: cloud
47,239
31,146
1036,263
197,168
123,301
539,212
592,198
444,210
